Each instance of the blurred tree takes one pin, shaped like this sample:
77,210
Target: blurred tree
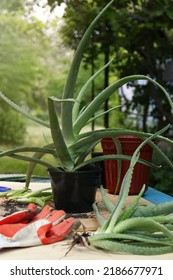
12,5
139,34
32,61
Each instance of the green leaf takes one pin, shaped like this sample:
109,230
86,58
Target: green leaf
119,162
23,111
103,113
32,165
107,157
31,159
99,217
128,212
102,96
110,223
66,112
58,139
83,91
108,204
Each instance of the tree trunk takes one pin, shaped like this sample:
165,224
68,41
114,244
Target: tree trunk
106,83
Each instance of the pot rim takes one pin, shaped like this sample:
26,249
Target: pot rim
124,138
91,170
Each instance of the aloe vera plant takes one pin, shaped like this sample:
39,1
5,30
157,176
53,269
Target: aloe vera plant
146,230
70,147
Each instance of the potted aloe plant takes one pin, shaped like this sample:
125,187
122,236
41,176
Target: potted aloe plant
70,146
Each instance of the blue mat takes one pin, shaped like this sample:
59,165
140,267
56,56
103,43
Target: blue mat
156,196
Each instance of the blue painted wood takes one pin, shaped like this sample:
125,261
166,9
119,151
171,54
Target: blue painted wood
156,196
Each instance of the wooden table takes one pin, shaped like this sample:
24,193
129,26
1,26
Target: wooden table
58,251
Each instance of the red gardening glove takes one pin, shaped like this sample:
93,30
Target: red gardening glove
46,227
9,225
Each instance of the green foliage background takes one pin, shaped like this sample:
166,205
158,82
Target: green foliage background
34,61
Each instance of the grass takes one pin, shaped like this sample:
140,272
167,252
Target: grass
36,136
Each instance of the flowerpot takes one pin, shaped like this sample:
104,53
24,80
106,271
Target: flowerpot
74,192
141,172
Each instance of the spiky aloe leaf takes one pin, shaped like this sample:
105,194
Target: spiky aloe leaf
23,111
119,162
83,90
58,139
107,157
32,165
14,153
101,97
86,139
66,112
108,204
31,159
103,113
124,190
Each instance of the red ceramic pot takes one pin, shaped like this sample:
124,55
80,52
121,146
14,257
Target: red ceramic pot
141,172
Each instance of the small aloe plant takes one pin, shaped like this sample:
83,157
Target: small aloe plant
70,147
146,230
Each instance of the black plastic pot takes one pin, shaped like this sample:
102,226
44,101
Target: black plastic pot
74,192
100,165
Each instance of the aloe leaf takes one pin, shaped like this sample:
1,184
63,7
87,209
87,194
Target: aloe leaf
112,245
99,217
58,139
130,237
101,97
154,210
23,111
161,154
37,193
164,219
103,113
35,200
83,90
12,153
45,150
107,157
111,132
128,212
61,100
66,109
87,139
108,204
85,153
142,224
124,190
119,162
31,159
32,165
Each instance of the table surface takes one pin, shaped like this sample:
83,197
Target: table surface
58,250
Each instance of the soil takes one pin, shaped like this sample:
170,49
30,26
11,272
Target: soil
10,207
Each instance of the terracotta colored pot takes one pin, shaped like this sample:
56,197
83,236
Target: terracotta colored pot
74,192
141,171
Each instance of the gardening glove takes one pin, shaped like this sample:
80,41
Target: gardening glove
10,224
22,230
